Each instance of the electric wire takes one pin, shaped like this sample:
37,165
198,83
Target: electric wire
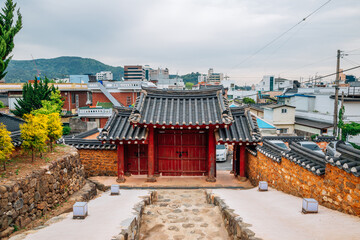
281,35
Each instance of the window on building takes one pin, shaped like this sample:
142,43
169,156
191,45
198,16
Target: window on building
324,130
283,130
73,100
128,101
283,110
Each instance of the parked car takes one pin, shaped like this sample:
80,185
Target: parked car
331,149
221,153
279,143
312,146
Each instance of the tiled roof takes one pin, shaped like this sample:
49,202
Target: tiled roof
79,142
349,159
312,123
286,138
271,150
182,107
243,129
306,158
12,125
118,127
324,139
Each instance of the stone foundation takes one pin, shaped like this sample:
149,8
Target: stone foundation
29,198
336,189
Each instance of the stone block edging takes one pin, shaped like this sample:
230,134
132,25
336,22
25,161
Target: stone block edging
234,224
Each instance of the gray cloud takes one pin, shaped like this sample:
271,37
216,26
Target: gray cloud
187,35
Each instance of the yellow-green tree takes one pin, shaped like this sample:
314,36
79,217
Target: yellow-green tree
54,128
34,133
54,105
6,146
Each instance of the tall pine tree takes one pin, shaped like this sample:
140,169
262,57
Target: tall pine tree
33,94
8,30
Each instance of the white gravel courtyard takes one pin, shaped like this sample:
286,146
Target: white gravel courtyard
107,215
276,215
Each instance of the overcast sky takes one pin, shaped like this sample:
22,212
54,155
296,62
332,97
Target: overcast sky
193,35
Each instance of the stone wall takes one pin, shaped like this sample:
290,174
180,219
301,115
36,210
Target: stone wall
30,197
99,162
336,189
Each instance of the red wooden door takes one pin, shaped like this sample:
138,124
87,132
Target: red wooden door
136,159
181,152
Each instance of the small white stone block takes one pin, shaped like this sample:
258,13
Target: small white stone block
263,186
80,210
115,189
309,205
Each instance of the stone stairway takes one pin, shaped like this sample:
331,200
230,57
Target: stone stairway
182,214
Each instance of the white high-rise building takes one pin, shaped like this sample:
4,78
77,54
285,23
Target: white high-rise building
104,75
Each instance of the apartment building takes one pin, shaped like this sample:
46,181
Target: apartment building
104,75
134,73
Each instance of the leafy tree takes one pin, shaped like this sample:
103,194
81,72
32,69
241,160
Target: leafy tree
189,85
2,104
33,94
191,77
352,128
247,100
54,128
54,105
66,130
34,133
8,30
6,146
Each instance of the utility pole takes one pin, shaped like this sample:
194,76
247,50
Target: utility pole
336,93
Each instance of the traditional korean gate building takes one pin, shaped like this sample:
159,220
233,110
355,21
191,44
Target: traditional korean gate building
173,133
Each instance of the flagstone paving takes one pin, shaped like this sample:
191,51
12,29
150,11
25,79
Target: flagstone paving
182,214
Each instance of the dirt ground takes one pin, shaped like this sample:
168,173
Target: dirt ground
20,164
182,214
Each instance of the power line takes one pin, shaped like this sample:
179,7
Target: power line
281,35
320,77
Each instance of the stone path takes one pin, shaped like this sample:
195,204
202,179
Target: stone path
182,214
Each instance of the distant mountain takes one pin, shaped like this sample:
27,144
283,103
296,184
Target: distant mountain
61,67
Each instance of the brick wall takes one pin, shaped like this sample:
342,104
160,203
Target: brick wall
120,96
336,189
99,162
70,99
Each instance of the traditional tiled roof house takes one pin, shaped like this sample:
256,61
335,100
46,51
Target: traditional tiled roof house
175,133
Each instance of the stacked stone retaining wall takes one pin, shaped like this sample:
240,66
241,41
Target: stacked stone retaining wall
30,197
336,189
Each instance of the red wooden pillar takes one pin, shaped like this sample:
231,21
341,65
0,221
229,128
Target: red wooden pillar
120,163
242,160
151,156
211,157
233,161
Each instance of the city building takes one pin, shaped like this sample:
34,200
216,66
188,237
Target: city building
282,117
214,78
104,75
270,83
134,73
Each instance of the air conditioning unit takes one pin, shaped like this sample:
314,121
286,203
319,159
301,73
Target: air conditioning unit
115,189
309,205
80,210
263,186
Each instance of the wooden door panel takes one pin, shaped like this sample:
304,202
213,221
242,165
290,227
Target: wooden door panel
181,152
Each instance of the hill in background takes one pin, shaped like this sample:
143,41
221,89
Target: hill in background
61,67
